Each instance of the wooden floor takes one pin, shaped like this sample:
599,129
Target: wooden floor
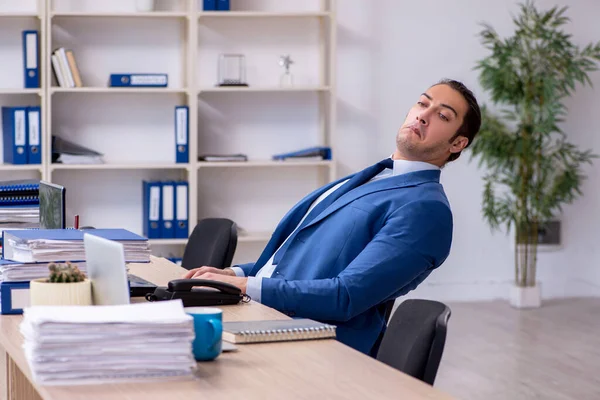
495,352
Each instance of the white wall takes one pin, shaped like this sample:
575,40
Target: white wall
389,52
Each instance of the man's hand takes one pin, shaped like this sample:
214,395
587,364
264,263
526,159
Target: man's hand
199,272
238,281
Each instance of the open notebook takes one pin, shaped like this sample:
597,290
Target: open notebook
276,331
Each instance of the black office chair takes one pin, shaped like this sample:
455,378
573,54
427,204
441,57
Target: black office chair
212,242
414,340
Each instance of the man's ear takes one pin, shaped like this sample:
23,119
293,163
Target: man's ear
458,144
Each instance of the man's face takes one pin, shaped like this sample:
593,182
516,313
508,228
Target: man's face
430,124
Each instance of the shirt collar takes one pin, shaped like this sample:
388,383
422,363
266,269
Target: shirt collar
406,166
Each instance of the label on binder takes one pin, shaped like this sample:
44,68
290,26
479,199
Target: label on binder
182,198
31,49
34,128
181,126
168,202
154,203
148,80
20,128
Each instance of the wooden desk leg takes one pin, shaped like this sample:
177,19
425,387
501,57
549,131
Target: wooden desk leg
19,387
3,375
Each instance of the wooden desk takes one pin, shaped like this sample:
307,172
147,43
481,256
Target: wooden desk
291,370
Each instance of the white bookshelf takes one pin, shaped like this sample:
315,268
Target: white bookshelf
181,39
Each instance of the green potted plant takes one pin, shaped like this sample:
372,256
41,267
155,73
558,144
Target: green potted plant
66,285
532,168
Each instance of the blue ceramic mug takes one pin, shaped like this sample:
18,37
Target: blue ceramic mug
208,328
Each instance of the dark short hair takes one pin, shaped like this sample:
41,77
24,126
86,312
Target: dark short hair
471,120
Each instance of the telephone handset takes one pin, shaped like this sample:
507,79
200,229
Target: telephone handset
199,292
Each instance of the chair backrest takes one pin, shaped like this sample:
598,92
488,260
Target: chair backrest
212,243
414,340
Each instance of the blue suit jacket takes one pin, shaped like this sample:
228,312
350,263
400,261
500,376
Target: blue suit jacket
371,245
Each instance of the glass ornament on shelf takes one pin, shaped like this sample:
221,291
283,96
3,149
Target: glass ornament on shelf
286,79
232,70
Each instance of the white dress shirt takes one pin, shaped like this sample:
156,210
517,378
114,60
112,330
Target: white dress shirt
254,285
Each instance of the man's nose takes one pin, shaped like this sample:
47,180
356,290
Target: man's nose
423,118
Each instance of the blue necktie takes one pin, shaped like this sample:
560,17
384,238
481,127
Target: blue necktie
357,180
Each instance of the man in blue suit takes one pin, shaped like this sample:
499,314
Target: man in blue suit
350,247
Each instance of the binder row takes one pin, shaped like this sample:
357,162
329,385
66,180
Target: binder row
65,68
165,209
21,135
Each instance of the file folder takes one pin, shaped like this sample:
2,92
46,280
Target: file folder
14,297
182,134
210,5
14,134
34,128
31,59
181,210
223,5
139,80
167,230
152,209
319,152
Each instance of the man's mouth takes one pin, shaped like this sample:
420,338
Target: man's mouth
416,130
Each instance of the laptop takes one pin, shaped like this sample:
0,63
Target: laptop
106,268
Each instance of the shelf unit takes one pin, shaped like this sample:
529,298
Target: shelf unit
193,90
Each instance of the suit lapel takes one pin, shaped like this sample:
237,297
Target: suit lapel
287,225
404,180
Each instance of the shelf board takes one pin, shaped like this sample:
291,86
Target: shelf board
238,89
166,242
18,15
261,14
117,90
141,166
25,167
266,163
20,91
151,14
251,237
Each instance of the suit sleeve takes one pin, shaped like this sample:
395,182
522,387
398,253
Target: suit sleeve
243,268
414,240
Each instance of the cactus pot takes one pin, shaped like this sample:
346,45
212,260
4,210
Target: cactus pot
44,293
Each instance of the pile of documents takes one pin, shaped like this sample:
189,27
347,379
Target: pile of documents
47,245
12,271
97,344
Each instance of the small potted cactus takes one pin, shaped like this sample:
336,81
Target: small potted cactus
66,285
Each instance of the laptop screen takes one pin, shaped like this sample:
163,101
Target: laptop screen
52,206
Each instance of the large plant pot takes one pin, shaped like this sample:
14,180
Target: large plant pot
43,293
525,297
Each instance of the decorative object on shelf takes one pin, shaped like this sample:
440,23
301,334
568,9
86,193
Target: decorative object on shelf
232,70
286,79
144,5
533,169
66,285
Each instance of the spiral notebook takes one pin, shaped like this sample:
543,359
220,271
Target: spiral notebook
276,331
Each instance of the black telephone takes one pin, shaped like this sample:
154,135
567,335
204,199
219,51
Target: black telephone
191,293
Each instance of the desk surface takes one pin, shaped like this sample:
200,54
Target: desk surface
291,370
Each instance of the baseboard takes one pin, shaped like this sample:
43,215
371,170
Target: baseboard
499,290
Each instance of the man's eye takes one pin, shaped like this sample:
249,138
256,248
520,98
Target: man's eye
421,103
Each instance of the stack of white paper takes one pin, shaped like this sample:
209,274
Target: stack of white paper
96,344
15,271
